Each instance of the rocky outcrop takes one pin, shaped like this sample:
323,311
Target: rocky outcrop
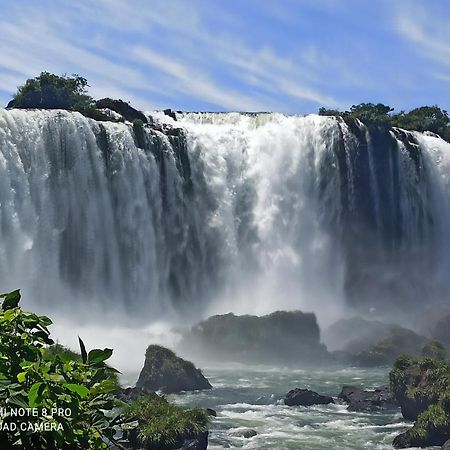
422,388
389,348
123,108
165,371
355,334
305,397
378,399
280,337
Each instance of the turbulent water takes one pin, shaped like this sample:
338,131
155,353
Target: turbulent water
250,398
248,213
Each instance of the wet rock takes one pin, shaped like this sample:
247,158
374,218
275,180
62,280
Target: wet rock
305,397
165,371
198,443
358,399
211,412
170,113
123,108
246,433
130,394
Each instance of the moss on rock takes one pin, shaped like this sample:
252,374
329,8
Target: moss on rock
422,388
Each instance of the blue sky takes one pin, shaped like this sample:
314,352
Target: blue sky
291,56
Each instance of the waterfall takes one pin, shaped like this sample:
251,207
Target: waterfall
225,212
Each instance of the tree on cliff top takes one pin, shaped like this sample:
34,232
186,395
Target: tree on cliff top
50,91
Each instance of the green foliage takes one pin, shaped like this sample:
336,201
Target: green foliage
434,349
371,114
34,375
138,123
425,118
329,112
163,425
51,91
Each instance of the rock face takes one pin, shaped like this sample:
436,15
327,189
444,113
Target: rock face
165,371
123,108
280,337
305,397
389,348
379,399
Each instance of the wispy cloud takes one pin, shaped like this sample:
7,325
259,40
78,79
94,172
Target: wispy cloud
429,32
290,55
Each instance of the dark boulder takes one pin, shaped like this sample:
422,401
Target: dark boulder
246,433
286,337
170,113
10,104
123,108
130,394
305,397
358,399
200,442
420,437
165,371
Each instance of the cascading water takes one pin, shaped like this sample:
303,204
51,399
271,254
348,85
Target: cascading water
249,213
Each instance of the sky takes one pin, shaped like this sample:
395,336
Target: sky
291,56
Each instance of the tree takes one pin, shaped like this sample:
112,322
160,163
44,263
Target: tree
50,91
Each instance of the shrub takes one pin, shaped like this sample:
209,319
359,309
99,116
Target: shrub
434,349
163,425
33,375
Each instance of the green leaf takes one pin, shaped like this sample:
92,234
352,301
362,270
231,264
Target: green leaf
11,300
21,377
97,356
83,350
34,395
45,321
17,401
79,389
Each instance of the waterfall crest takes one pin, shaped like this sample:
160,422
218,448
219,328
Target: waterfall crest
249,213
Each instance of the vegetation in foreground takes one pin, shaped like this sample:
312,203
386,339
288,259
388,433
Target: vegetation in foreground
422,388
74,395
162,425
